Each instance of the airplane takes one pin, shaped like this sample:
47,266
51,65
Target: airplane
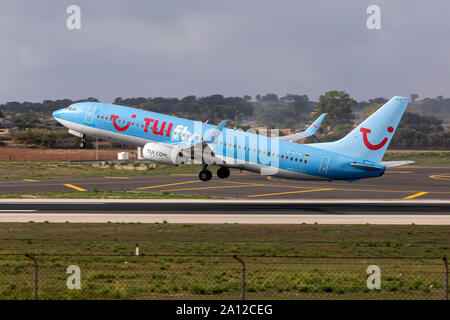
176,141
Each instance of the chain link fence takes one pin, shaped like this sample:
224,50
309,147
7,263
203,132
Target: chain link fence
220,277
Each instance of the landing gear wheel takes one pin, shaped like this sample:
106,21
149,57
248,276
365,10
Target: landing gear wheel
205,175
223,172
83,143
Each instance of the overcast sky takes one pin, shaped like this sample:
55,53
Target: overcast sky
234,47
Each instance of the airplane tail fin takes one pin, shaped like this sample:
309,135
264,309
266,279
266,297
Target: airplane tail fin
371,138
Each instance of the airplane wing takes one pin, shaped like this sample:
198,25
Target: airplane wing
311,131
389,164
188,144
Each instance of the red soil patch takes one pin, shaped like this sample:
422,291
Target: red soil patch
27,154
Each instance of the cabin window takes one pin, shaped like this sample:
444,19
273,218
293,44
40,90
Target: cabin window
301,160
306,161
282,157
98,116
292,158
296,159
268,153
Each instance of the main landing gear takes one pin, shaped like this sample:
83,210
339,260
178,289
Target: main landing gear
206,175
83,142
223,172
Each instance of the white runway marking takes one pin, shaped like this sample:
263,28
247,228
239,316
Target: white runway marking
18,210
227,218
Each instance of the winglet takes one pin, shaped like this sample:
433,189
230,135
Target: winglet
312,129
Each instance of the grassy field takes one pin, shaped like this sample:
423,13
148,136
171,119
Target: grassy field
420,157
96,194
46,170
195,261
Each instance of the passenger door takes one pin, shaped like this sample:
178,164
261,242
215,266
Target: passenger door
323,167
89,115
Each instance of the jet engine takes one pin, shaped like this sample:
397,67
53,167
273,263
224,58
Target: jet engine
163,153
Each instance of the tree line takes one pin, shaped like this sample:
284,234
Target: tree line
421,127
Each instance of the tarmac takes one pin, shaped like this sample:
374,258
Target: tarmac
260,211
406,182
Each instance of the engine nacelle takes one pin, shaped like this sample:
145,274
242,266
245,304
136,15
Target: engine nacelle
162,153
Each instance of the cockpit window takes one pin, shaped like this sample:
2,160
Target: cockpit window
71,108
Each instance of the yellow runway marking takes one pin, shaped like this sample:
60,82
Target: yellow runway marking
355,189
415,195
74,187
241,183
391,171
125,178
219,187
440,176
289,192
30,180
169,184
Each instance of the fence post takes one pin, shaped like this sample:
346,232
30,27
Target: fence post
243,275
446,277
35,275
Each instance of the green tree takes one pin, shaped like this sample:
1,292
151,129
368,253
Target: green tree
270,97
338,105
414,97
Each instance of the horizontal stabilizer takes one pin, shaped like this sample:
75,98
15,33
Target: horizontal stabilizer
366,166
311,131
389,164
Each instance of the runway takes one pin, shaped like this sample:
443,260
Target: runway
436,212
406,182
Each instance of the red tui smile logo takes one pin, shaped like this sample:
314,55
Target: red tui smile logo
114,118
370,146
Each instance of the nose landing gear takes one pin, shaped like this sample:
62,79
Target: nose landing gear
83,142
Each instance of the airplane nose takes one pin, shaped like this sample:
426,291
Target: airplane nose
57,114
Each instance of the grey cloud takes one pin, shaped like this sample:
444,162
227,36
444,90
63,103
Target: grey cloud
176,48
